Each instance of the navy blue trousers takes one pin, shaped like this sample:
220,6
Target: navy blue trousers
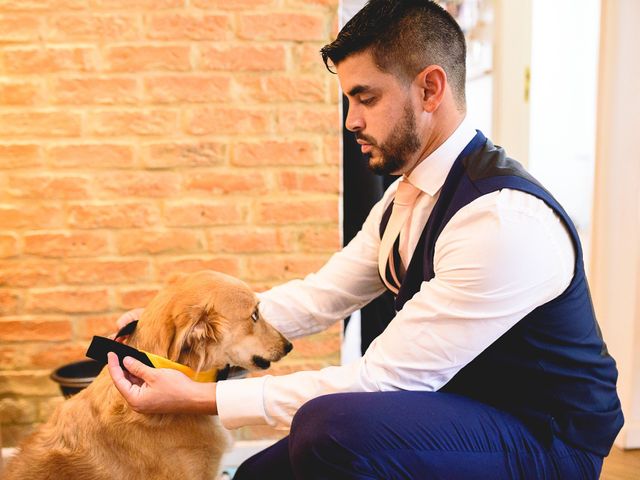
413,435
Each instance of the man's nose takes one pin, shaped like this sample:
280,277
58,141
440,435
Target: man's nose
354,121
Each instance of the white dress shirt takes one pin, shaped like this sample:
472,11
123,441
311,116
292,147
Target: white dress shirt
498,258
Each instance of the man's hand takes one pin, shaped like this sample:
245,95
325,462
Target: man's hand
161,390
128,317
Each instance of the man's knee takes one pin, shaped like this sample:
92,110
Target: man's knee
325,427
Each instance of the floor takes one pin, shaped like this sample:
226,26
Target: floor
621,465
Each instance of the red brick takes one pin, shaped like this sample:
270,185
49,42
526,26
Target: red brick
68,300
153,122
46,186
204,121
36,5
9,302
12,356
135,298
300,211
235,5
283,26
307,58
260,240
92,155
155,242
40,124
32,383
137,184
332,149
182,214
179,26
179,155
91,272
217,182
52,356
9,246
63,245
30,216
145,58
320,239
331,4
282,267
189,89
314,119
48,60
20,93
73,28
87,90
317,346
228,265
123,215
104,325
28,273
19,28
274,153
17,155
250,58
137,4
316,181
49,329
282,89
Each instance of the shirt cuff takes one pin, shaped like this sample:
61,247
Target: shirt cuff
241,402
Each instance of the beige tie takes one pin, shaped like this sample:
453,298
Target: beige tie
403,202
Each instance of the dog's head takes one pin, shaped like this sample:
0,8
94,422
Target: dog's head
209,320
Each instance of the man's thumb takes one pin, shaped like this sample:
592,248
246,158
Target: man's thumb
137,368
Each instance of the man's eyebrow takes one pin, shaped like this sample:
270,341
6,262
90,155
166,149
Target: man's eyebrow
358,89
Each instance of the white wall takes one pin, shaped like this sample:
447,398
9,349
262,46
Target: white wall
564,71
615,277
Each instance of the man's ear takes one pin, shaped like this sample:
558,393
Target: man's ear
432,81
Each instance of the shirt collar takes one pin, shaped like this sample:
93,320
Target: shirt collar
430,174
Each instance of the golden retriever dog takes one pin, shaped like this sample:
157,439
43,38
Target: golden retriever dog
206,320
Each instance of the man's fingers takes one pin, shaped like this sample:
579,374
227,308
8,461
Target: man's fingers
138,368
128,317
117,374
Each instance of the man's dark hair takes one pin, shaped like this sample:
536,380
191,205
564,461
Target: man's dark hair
404,37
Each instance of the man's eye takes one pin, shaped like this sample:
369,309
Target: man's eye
254,316
367,101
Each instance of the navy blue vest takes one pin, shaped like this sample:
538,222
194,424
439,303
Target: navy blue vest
551,369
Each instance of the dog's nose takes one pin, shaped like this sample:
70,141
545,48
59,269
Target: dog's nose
288,346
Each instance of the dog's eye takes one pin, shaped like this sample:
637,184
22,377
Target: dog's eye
254,316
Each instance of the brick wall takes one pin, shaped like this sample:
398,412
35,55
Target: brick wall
144,137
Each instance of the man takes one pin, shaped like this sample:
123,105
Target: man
494,366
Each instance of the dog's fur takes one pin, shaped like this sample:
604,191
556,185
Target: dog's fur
203,320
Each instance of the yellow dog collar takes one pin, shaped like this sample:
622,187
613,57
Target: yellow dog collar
161,362
100,346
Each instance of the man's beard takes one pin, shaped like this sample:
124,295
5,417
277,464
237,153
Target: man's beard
396,151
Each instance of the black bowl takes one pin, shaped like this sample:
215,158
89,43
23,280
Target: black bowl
73,377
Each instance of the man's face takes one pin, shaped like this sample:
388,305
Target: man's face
381,114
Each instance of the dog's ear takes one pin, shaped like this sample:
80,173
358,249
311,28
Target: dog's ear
200,329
